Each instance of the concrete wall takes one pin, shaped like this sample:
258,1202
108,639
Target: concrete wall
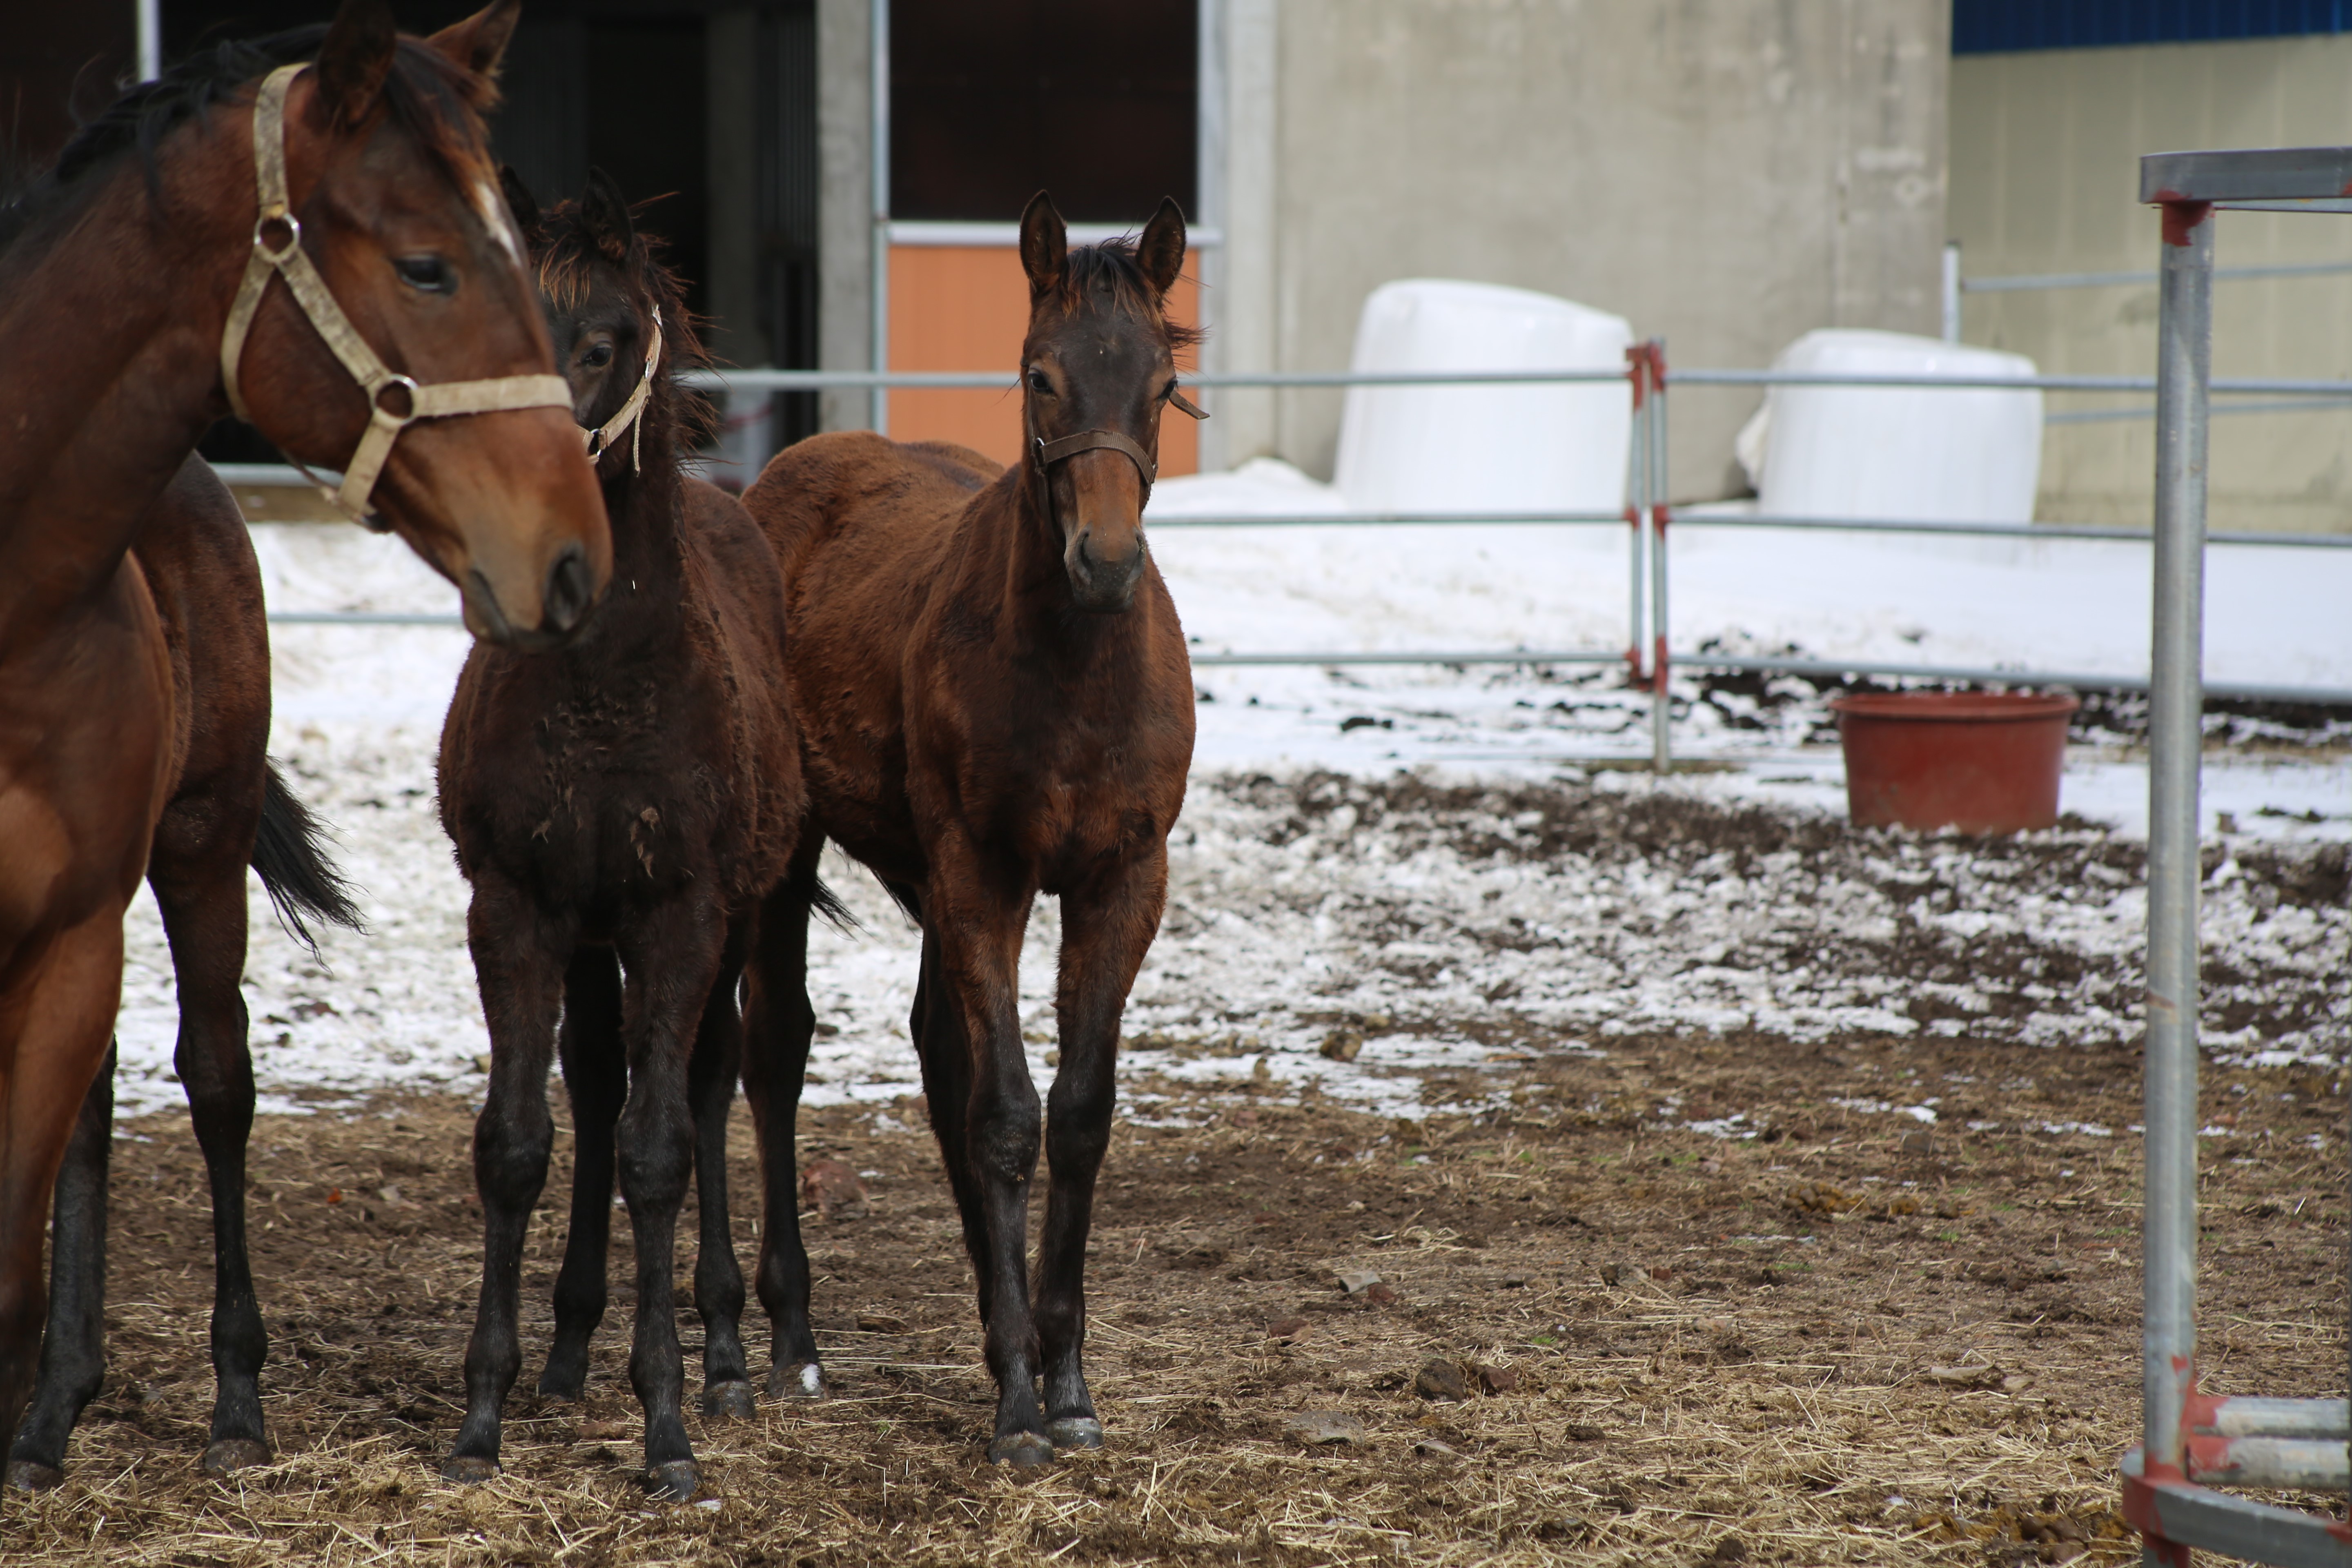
2044,178
845,205
1726,174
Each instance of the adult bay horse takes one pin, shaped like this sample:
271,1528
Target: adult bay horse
227,807
621,807
319,245
995,702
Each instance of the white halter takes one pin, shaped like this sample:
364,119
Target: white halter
290,262
600,439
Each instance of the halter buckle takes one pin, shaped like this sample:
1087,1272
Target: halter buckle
389,383
293,236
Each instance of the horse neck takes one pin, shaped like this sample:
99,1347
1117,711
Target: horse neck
646,505
1018,555
112,317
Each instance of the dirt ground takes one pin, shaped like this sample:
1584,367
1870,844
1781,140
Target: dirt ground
1852,1339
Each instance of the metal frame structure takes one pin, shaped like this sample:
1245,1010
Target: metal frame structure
2190,1439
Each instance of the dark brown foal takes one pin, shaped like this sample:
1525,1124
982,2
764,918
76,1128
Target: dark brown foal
227,808
621,807
995,702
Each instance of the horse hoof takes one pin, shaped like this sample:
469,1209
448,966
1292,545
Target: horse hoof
32,1476
801,1379
552,1385
1022,1450
1075,1432
674,1482
729,1402
468,1469
233,1454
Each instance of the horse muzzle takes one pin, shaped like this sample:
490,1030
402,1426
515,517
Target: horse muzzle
1103,582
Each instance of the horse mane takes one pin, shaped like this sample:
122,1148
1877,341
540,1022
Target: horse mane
567,252
431,97
1111,267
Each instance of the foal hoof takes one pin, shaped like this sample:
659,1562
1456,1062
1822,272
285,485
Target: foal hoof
32,1476
801,1379
1022,1450
468,1469
675,1481
1075,1432
232,1454
729,1402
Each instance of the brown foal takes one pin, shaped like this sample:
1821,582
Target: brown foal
995,702
118,290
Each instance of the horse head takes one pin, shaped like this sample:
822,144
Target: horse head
1097,368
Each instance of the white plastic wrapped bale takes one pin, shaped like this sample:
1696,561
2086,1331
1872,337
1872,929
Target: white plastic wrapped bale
1909,454
1497,448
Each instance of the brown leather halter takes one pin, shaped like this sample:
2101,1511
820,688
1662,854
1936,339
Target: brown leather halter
291,262
1045,454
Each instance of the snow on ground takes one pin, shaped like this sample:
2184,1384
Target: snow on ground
1485,876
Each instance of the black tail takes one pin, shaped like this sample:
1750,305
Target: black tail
824,902
290,853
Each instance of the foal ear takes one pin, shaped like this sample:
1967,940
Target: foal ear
519,201
605,212
1160,252
355,57
1045,245
479,42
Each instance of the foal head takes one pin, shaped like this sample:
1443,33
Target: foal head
1096,370
619,320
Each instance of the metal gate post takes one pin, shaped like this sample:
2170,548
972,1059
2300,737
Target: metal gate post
2176,700
1637,508
1660,702
877,152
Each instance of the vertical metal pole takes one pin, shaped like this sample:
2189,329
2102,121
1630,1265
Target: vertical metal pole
879,143
1951,291
1637,510
150,39
2183,370
1660,702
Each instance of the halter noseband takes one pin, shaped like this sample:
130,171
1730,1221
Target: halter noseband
292,263
600,439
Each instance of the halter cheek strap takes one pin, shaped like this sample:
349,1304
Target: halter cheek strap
600,439
1044,454
395,401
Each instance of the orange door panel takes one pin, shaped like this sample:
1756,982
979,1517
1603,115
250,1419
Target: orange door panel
966,307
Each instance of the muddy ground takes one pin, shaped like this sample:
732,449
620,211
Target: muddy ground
1850,1339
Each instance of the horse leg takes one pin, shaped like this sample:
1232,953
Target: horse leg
73,1351
1105,930
778,1024
711,1074
520,958
670,960
979,928
596,1081
204,917
54,1032
943,1049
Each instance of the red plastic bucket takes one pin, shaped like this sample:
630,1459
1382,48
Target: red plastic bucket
1979,761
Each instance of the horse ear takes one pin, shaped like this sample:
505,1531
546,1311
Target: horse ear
606,213
1160,252
355,57
1045,245
519,201
479,42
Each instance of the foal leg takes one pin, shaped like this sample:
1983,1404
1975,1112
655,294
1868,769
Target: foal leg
205,917
73,1351
944,1049
596,1081
778,1024
1104,932
979,929
53,1028
670,960
520,957
711,1075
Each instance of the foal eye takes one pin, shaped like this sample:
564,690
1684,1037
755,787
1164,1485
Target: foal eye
1038,381
426,274
598,357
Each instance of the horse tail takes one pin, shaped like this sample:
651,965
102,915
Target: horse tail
823,901
290,853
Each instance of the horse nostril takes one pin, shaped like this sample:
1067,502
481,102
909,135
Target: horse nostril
568,590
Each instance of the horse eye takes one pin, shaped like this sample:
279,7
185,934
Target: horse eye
598,357
1039,382
426,274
